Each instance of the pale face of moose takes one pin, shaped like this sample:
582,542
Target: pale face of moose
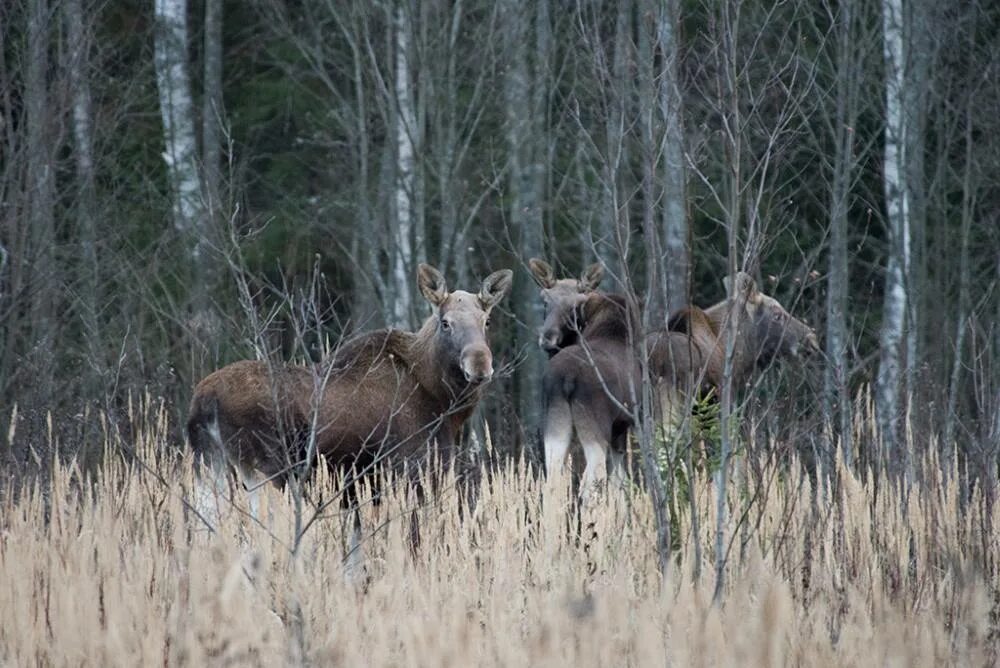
774,332
463,319
562,297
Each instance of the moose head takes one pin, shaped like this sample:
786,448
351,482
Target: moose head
562,298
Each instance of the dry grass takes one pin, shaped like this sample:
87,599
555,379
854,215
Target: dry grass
117,572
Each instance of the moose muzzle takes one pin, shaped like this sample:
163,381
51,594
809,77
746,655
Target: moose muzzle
477,364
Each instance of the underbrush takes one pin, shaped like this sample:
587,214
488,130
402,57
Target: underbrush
115,568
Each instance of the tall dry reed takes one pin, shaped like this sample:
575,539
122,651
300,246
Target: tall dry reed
116,570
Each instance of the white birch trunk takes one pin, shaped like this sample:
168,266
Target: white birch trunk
405,121
180,154
897,207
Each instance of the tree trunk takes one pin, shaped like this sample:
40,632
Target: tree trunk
836,386
181,155
898,264
212,108
403,267
523,136
614,222
41,191
77,27
729,105
916,47
948,445
655,303
677,258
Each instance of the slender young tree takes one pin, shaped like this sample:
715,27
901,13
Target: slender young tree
181,151
41,184
843,167
898,220
212,111
676,234
405,130
78,27
525,135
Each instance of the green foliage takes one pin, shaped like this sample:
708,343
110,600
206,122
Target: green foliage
690,447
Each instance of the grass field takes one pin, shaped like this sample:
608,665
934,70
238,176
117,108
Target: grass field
116,571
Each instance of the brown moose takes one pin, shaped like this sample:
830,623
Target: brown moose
386,395
690,356
588,387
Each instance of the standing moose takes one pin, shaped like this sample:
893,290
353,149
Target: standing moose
385,397
588,387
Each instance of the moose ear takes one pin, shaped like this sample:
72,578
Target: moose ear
542,273
432,284
495,286
591,278
745,286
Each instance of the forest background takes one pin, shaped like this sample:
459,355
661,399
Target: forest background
187,183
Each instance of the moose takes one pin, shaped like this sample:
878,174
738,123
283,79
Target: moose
385,397
592,370
691,355
590,382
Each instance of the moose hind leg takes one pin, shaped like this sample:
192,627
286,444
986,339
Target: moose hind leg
558,433
619,445
595,439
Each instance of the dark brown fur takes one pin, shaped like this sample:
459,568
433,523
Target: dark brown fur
385,396
589,386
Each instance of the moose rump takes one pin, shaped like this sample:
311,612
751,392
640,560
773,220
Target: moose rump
588,389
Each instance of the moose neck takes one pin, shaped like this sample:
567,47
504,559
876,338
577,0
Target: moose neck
607,317
730,318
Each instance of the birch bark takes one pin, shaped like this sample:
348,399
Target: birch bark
889,388
405,122
181,152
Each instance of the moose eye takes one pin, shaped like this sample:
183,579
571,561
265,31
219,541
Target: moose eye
445,324
487,323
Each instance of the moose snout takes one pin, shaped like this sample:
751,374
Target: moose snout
809,346
812,343
549,340
477,364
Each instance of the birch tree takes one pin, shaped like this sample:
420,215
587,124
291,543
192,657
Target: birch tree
181,153
898,223
405,130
